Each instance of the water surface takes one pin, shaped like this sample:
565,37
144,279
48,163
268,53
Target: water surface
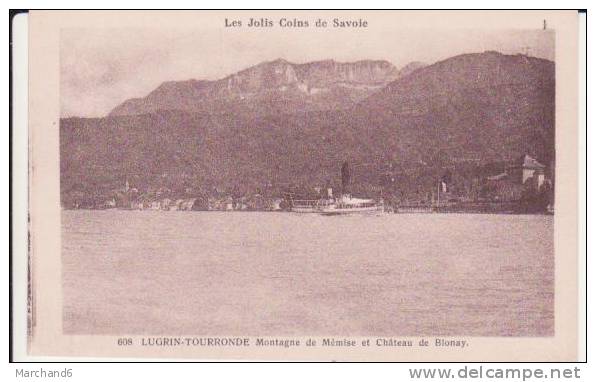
259,273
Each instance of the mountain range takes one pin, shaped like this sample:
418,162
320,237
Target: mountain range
278,123
272,87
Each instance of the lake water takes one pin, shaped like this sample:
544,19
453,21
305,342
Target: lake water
259,273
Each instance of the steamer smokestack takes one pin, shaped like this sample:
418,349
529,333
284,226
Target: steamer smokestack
345,178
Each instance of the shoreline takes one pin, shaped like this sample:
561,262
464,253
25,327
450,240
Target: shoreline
429,211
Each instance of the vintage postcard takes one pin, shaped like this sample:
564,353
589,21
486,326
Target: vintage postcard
303,185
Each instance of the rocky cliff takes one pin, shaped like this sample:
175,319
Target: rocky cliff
276,86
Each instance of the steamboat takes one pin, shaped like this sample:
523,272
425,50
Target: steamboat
345,204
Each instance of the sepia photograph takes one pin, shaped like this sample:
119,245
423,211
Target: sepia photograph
406,198
261,178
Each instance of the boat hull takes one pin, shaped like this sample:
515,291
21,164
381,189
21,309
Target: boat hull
352,211
306,210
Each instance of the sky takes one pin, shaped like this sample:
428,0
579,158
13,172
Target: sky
102,67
